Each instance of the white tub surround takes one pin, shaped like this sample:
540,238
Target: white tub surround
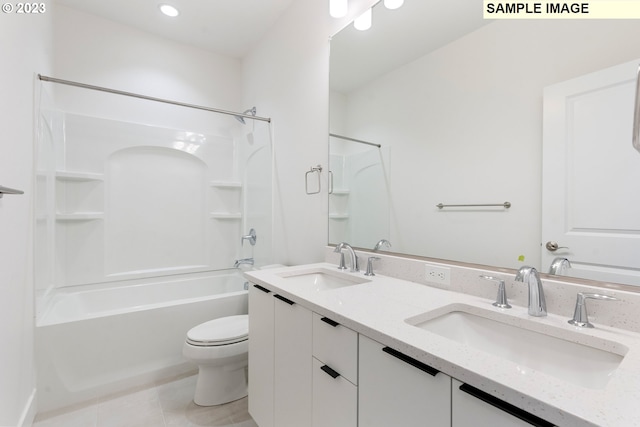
92,341
379,308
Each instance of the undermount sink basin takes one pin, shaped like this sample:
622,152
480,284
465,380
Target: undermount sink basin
496,334
322,279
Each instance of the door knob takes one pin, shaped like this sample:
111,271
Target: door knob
553,246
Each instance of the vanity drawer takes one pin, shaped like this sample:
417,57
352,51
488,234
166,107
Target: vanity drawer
336,346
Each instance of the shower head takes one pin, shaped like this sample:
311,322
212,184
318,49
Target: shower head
251,111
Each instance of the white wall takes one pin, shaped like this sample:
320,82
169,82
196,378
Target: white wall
96,51
25,51
464,124
287,75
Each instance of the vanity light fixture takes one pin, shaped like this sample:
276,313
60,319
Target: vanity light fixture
393,4
363,22
338,8
169,10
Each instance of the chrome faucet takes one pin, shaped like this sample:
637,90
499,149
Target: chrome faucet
352,255
537,304
501,298
370,265
243,261
580,317
380,244
559,265
251,237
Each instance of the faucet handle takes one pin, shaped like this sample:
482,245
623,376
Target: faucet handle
370,265
580,317
251,237
501,298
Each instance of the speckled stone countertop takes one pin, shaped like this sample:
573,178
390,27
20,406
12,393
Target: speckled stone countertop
380,307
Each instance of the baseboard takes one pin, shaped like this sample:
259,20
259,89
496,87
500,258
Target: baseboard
29,411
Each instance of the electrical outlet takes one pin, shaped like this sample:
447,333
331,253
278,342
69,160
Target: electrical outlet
438,274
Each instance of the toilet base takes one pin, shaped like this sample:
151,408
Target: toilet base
217,385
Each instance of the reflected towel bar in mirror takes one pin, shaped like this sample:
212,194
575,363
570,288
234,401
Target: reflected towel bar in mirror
7,190
505,205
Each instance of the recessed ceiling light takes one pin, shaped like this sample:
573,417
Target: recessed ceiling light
169,10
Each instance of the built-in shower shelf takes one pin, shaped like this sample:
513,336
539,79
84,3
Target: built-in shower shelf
338,216
226,184
79,176
226,215
79,216
340,192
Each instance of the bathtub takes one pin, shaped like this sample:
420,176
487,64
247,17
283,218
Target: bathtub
93,341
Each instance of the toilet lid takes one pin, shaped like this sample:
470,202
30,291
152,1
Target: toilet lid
225,330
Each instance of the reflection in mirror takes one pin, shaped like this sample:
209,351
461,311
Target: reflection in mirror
359,195
458,102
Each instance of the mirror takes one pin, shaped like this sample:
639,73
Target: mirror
456,104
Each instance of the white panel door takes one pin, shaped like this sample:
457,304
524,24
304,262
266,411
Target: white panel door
591,176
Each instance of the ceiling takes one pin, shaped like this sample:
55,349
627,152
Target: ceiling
234,27
398,37
228,27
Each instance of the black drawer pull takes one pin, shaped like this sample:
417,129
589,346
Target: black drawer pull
411,361
330,322
281,298
506,407
333,374
263,289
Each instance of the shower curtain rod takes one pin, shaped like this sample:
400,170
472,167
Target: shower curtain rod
150,98
354,140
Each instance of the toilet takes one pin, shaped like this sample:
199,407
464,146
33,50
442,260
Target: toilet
220,348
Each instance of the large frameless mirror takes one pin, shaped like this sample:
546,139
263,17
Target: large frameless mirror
463,110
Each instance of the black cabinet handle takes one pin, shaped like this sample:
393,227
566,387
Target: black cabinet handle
330,322
506,407
333,374
411,361
281,298
263,289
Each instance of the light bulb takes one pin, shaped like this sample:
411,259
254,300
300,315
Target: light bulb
393,4
169,10
338,8
363,22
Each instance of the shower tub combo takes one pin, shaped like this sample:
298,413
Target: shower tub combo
100,340
139,213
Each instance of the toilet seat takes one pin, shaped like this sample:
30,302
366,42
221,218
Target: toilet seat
219,332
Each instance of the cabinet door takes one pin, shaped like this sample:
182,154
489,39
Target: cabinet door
261,341
335,399
473,407
395,390
292,361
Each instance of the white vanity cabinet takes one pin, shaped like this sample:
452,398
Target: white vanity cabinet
261,352
306,370
396,390
335,374
472,407
280,365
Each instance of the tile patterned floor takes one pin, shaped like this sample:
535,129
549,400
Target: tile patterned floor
167,404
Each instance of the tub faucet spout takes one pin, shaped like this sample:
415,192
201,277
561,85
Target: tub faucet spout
537,303
243,261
